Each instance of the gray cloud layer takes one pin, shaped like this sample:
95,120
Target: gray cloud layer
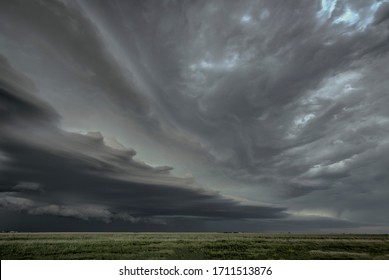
80,176
282,102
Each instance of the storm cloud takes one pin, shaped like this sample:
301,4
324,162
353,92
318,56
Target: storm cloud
81,176
251,113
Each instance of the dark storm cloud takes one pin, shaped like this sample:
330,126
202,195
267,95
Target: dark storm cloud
236,84
16,104
382,14
285,100
66,34
52,172
289,97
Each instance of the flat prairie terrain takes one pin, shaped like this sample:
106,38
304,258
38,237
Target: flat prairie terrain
146,246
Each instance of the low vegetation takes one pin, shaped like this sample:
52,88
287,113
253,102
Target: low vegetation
191,246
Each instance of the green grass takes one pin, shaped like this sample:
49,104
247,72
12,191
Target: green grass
191,246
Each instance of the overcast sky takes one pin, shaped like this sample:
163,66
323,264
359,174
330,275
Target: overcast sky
255,115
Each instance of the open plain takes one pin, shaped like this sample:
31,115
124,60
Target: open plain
146,246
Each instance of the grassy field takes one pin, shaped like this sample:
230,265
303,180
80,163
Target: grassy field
191,246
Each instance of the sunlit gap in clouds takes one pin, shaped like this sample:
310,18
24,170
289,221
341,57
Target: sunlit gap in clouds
342,12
